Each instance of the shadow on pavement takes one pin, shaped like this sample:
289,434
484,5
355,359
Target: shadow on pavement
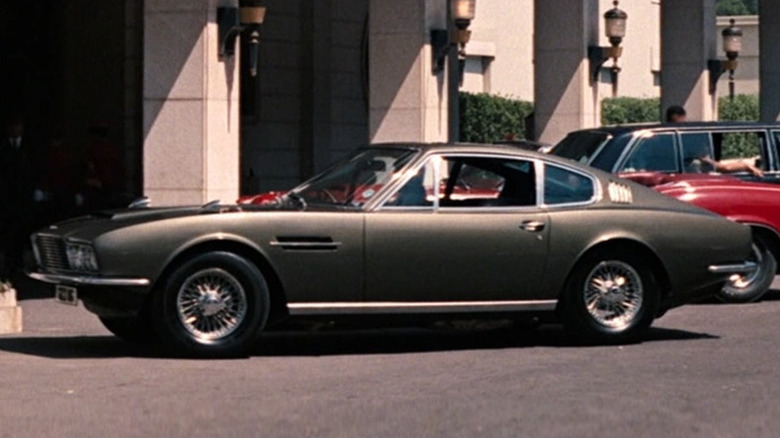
28,289
328,343
74,347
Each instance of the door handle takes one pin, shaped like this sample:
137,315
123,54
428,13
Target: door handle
532,225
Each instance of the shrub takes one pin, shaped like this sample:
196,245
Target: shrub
622,110
743,107
485,118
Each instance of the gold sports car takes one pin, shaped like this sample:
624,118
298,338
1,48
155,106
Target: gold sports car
398,232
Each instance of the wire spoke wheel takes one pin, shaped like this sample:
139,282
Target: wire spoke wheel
211,304
613,294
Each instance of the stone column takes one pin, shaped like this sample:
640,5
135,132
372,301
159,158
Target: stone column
407,101
190,105
565,97
688,39
769,75
10,312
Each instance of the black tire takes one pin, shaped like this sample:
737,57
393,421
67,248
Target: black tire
213,305
610,298
137,330
751,287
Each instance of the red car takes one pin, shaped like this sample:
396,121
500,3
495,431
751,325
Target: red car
671,158
753,203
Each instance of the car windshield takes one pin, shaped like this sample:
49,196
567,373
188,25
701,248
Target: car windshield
580,146
354,181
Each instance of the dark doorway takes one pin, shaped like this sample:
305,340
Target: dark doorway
72,70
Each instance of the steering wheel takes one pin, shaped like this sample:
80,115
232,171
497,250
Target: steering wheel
330,195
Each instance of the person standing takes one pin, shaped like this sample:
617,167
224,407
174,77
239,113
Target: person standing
104,169
17,194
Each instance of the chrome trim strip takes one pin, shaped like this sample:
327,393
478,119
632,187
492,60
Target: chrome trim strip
417,307
307,245
88,281
737,268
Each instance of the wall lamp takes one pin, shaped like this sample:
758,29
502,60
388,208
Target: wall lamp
442,41
231,21
732,45
615,29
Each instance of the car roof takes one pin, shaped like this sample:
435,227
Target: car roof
693,126
483,148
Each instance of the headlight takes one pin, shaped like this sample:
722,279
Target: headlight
81,257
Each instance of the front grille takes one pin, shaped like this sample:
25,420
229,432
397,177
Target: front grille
51,252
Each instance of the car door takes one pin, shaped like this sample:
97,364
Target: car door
652,152
318,255
773,172
477,240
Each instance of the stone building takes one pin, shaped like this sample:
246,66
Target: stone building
332,74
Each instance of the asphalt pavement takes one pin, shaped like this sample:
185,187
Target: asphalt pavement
705,370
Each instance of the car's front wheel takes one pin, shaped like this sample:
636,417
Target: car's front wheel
610,297
751,287
212,305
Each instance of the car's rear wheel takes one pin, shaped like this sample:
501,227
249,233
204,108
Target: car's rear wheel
751,287
135,330
610,297
212,305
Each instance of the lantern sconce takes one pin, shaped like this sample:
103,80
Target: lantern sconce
442,41
231,22
615,29
732,45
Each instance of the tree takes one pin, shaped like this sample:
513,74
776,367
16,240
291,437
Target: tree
737,7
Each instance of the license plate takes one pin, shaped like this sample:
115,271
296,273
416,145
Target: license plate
66,295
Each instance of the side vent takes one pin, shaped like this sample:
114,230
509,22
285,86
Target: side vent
620,193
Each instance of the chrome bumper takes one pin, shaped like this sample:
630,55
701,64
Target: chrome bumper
738,268
81,280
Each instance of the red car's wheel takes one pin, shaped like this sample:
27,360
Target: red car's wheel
751,287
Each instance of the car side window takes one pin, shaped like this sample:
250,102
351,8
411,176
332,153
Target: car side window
466,181
776,134
417,191
487,182
653,153
695,147
748,147
562,186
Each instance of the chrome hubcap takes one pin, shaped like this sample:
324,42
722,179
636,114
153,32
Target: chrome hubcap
613,294
211,304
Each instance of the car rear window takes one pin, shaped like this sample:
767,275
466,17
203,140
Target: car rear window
580,146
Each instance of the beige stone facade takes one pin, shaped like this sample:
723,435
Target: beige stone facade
335,74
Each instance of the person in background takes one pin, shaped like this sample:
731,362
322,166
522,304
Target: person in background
732,166
104,169
62,175
675,114
18,195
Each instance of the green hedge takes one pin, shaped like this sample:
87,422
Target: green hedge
622,110
744,107
485,118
